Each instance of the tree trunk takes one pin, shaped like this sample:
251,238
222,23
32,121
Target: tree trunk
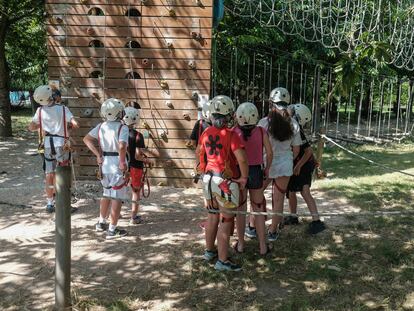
5,109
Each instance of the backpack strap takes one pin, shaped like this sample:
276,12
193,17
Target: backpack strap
65,135
200,129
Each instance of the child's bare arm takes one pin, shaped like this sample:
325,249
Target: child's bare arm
33,126
74,123
89,142
122,146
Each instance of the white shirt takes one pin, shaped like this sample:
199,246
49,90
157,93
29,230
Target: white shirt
109,140
52,123
283,148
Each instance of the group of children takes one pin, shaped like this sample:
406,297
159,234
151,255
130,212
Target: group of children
238,156
110,141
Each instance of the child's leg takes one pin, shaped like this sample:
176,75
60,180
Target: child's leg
266,183
293,202
211,228
259,205
241,221
135,204
50,185
223,235
115,212
104,210
279,191
310,202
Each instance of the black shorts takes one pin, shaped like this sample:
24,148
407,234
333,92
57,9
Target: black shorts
296,183
255,180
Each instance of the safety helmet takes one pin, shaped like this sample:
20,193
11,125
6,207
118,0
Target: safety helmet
112,109
131,116
205,110
247,114
302,113
43,95
222,104
280,95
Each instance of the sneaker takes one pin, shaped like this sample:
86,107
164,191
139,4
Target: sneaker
100,227
209,255
273,236
50,208
117,233
291,220
316,226
136,220
226,266
250,232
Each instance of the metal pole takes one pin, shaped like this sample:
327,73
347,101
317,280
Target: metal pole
63,238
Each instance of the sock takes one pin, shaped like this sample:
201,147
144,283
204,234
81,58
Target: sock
50,201
112,227
102,220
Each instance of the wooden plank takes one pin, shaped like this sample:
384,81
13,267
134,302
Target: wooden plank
143,84
159,42
182,22
130,32
130,93
124,63
121,10
169,124
167,74
89,3
127,53
170,114
180,106
172,134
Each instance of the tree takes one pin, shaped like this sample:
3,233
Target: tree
14,14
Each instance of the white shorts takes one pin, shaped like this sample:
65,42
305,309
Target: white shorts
281,166
112,180
226,192
51,160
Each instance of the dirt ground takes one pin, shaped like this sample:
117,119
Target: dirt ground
150,264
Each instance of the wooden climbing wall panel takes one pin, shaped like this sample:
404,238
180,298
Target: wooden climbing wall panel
154,52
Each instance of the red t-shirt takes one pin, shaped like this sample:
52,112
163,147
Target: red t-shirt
216,143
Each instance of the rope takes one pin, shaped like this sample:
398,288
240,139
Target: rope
365,158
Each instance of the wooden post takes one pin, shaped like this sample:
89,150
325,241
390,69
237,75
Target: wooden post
63,239
319,153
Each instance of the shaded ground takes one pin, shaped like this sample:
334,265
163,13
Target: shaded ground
351,266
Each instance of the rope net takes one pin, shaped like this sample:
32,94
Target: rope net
340,24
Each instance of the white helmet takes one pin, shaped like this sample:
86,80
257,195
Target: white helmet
222,104
247,114
205,110
43,95
111,109
279,94
302,113
131,116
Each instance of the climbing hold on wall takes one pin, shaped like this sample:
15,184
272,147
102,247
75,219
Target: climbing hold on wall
96,95
169,104
145,125
164,136
189,144
87,113
83,1
164,84
195,96
145,61
169,43
90,31
192,64
186,117
172,13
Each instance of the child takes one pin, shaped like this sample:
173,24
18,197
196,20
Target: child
136,160
223,150
254,139
52,121
285,140
112,137
302,174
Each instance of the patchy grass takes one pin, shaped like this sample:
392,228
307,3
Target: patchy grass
366,185
20,120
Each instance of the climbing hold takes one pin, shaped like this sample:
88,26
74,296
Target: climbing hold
192,64
164,136
169,104
164,84
169,43
73,62
172,13
145,61
145,134
195,96
90,31
87,113
146,125
189,144
83,1
96,95
144,1
186,117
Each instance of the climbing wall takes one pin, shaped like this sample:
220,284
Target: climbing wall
153,52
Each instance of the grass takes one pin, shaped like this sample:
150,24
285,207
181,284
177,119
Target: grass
366,185
20,120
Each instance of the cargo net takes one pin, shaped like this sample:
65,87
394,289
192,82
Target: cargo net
340,24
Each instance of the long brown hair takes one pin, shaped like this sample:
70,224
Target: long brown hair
280,126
